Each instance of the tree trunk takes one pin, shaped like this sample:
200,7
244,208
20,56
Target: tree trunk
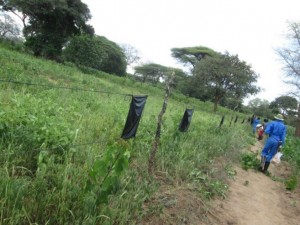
297,131
215,107
216,102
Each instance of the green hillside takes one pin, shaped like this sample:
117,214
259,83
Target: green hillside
63,161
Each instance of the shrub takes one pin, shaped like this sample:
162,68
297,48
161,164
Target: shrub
291,183
250,161
96,52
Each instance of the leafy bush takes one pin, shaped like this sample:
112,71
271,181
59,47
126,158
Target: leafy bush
105,173
250,161
12,44
96,52
292,155
209,187
291,151
291,183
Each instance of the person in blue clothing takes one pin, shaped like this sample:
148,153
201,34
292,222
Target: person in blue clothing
256,121
277,133
265,123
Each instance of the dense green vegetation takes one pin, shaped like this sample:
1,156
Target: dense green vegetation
96,52
49,24
61,151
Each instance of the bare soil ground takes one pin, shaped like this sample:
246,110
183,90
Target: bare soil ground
253,199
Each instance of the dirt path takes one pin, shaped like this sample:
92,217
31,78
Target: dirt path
253,199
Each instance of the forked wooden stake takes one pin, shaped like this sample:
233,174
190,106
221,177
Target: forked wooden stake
151,162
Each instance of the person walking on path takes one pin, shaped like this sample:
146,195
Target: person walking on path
265,123
277,133
256,121
261,128
260,132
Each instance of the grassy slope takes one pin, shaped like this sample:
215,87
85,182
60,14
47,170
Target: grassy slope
35,185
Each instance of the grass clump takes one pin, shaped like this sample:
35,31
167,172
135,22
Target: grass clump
249,161
291,183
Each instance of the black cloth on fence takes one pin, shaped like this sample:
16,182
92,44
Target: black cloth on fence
134,115
222,121
236,118
186,120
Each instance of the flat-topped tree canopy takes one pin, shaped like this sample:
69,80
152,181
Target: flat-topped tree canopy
190,56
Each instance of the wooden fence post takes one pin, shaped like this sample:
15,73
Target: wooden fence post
151,162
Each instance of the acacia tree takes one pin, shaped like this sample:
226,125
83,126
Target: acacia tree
8,27
190,56
132,55
286,105
48,24
290,55
6,5
260,107
150,72
224,75
155,73
232,103
179,79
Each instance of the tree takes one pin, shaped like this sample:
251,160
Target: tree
8,27
96,52
232,103
290,56
180,78
48,24
190,56
260,107
224,75
286,105
150,72
131,54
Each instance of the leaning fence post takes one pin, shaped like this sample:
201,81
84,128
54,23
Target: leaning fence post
151,162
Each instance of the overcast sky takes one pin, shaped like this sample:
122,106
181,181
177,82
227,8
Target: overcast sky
252,29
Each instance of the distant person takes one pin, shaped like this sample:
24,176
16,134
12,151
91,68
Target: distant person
264,126
265,123
277,133
256,121
251,119
260,131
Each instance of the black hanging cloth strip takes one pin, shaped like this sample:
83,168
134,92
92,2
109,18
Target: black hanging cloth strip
134,115
222,121
186,120
236,118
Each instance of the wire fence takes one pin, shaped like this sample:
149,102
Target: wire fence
61,87
95,91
